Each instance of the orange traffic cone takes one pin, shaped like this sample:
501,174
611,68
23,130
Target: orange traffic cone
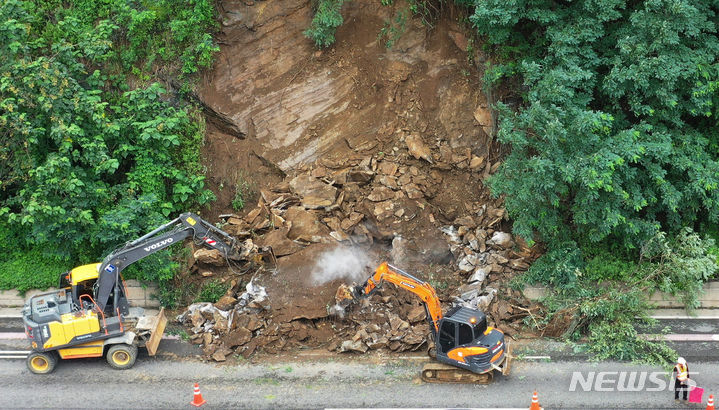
535,402
197,401
710,403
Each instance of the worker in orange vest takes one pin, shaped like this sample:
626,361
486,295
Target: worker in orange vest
681,379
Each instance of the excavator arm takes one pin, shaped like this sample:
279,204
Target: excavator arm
185,226
425,291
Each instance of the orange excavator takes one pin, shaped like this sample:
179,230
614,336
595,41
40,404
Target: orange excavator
468,349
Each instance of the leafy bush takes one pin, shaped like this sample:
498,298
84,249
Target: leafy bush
393,29
212,291
244,191
86,162
606,296
327,18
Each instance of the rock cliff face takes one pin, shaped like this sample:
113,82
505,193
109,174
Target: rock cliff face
294,103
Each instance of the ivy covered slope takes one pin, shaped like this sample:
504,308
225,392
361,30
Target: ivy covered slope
93,152
614,146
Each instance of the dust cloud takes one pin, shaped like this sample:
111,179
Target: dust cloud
342,263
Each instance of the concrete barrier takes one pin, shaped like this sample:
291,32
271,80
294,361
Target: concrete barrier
137,295
709,300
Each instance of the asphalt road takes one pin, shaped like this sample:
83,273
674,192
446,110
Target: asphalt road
349,383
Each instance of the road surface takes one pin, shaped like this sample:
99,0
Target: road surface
347,383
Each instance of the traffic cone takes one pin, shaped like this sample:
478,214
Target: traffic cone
535,402
197,401
710,403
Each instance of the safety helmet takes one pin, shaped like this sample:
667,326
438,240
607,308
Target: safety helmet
681,361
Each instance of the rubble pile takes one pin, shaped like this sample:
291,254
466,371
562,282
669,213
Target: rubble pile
488,259
360,200
389,319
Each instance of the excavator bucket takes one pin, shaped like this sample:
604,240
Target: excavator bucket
345,295
157,329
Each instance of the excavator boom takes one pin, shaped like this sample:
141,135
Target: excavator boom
425,291
184,226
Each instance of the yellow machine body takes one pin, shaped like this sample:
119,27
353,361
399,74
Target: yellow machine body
90,349
71,326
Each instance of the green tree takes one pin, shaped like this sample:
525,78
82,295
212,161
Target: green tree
86,162
616,137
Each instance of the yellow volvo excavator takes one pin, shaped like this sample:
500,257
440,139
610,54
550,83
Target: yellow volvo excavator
87,316
468,349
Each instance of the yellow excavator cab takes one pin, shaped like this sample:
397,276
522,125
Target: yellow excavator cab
83,273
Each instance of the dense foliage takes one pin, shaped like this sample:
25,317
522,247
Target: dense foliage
93,152
617,135
605,298
614,142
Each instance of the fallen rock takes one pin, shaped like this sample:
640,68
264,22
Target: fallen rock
413,338
496,258
413,191
255,297
237,337
469,262
484,300
218,356
210,256
314,193
226,302
467,221
280,243
349,222
479,275
417,148
360,176
518,264
353,346
396,323
476,162
417,314
388,168
305,226
501,239
380,193
377,343
469,291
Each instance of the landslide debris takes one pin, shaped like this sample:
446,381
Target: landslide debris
375,202
382,151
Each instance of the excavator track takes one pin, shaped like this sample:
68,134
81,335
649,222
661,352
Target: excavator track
435,372
443,373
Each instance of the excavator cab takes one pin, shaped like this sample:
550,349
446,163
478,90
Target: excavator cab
464,340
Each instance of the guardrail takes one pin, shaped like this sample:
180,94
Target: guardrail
14,354
708,300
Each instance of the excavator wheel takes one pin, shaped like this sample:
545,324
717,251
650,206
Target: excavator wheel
444,373
121,356
41,363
